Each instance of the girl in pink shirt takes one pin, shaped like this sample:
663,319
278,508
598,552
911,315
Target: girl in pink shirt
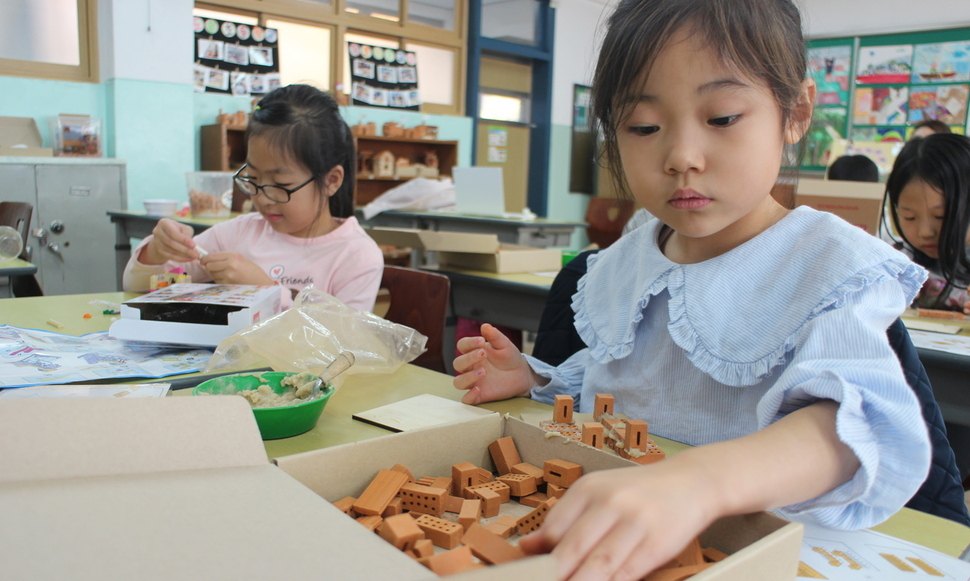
299,172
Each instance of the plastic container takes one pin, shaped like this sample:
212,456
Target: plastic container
11,244
210,193
274,422
569,255
161,207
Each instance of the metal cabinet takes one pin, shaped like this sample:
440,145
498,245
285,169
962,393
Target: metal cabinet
71,241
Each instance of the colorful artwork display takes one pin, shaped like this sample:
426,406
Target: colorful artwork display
946,103
384,77
830,68
235,58
884,64
944,62
879,134
828,126
880,105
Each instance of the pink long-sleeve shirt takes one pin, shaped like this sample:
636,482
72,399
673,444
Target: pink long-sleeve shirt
345,262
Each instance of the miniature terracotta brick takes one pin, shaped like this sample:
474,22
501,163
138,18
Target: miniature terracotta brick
483,475
462,476
653,454
691,554
603,404
676,573
533,500
471,511
396,506
561,472
555,491
428,481
592,434
441,482
370,522
535,518
562,411
379,493
450,562
443,533
496,486
491,502
519,484
490,547
504,454
453,503
503,525
636,436
713,555
404,470
530,470
423,499
345,504
423,548
401,531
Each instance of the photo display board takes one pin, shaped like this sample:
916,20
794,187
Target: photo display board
872,89
235,58
383,77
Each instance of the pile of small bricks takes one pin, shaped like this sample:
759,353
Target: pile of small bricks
629,439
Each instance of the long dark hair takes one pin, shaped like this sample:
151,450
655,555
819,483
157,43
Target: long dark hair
305,123
942,161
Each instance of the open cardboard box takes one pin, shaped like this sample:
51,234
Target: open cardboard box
194,313
858,203
20,137
175,488
472,251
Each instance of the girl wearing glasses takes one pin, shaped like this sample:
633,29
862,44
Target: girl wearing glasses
299,173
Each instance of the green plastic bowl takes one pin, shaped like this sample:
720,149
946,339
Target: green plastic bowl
274,422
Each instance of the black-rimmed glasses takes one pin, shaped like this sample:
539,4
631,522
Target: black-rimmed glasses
273,193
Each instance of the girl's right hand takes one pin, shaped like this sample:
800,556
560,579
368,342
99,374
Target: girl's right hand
491,368
171,240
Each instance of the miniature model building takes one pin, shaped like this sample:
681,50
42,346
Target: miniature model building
630,439
384,164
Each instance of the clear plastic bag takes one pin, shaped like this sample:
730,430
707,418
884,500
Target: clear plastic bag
309,335
416,194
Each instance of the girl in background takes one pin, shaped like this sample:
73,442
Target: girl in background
929,200
753,332
299,172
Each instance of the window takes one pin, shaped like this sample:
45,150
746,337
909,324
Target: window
304,53
389,10
499,107
434,13
436,74
33,44
511,20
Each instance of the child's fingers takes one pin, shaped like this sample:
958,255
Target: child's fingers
466,344
469,379
466,362
496,339
609,558
473,397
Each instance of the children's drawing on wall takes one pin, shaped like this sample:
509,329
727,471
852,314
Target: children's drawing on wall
211,49
199,75
237,54
240,83
262,56
947,104
943,62
828,127
884,64
879,134
217,79
830,68
880,105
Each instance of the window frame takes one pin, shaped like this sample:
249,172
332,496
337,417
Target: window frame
87,69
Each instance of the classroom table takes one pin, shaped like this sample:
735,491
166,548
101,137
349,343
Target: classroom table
361,392
13,267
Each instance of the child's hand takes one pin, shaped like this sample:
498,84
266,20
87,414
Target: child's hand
171,240
232,268
491,368
624,523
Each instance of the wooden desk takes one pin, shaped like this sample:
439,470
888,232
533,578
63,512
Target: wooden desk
131,224
15,267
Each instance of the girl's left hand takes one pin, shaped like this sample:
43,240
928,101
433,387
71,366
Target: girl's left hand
232,268
624,523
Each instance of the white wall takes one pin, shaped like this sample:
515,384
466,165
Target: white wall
148,40
579,24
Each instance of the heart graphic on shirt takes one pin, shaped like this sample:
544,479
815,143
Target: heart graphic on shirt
276,272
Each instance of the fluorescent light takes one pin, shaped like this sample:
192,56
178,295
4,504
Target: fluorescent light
385,16
352,10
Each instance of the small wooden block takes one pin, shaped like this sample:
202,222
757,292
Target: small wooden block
490,547
370,522
603,404
379,493
345,504
519,484
592,434
396,506
534,500
534,519
491,502
713,555
529,470
424,499
562,410
635,437
443,533
676,573
561,472
401,531
554,491
470,513
504,454
450,562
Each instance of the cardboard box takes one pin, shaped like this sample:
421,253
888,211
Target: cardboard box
472,251
20,137
858,203
177,488
195,314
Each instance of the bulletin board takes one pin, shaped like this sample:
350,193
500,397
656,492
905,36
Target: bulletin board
893,81
235,58
384,77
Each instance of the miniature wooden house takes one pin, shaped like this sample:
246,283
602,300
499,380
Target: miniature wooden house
384,164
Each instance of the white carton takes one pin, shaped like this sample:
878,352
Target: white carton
194,313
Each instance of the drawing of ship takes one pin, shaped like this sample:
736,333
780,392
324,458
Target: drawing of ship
937,75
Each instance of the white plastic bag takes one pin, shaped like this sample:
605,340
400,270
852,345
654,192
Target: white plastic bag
415,194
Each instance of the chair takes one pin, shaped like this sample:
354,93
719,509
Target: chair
605,219
941,494
419,299
17,216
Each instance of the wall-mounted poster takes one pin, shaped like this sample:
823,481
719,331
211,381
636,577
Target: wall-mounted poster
235,58
946,103
880,105
383,77
944,62
884,64
830,66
